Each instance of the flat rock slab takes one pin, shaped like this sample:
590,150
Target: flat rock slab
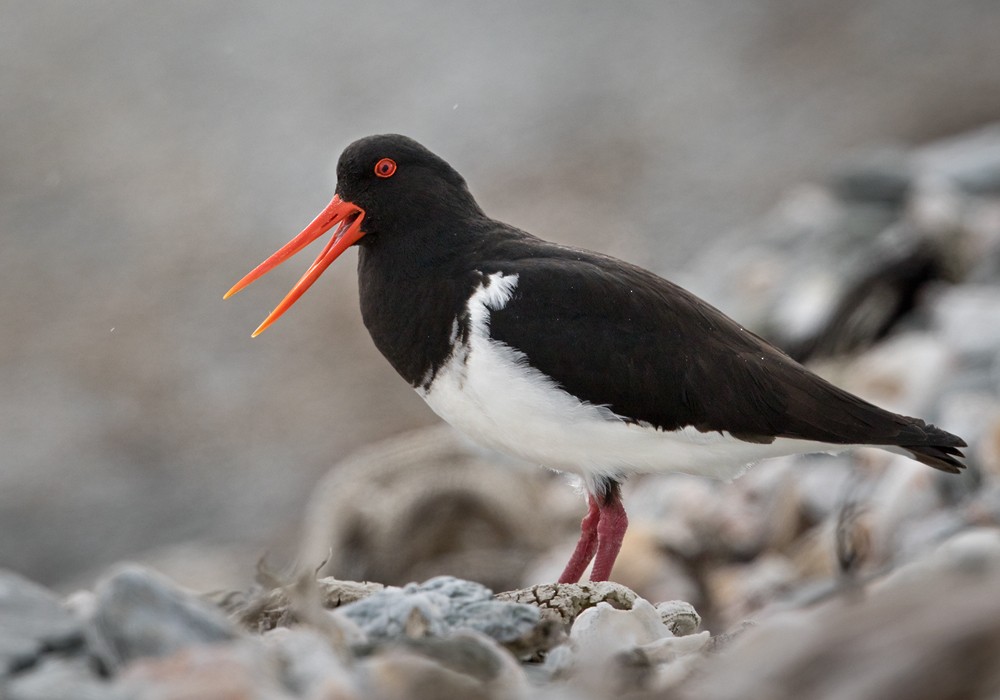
564,602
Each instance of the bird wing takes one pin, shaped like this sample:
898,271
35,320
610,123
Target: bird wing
654,353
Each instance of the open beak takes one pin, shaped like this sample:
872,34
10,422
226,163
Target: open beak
346,217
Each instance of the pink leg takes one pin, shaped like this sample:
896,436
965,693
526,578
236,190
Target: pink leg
601,532
586,546
610,533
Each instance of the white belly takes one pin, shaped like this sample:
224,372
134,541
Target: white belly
488,391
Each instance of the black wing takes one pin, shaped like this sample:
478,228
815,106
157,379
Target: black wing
654,353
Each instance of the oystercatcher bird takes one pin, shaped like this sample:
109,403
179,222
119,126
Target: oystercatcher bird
568,358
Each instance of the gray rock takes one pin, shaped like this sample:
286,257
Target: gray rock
470,653
970,160
31,622
437,607
139,613
58,678
882,175
309,663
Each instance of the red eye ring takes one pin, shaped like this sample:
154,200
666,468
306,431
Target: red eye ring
385,167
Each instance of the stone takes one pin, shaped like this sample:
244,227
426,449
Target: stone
881,175
611,650
967,319
931,631
975,551
476,655
310,667
57,677
242,669
970,160
679,616
563,602
32,621
437,607
140,614
403,675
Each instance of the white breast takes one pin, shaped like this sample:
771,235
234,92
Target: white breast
487,390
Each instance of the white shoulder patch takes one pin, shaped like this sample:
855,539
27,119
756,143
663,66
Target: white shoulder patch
493,295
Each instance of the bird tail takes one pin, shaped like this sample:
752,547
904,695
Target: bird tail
936,448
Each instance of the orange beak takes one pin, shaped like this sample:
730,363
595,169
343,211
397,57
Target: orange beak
346,216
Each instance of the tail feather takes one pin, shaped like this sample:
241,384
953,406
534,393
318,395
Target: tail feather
935,447
943,458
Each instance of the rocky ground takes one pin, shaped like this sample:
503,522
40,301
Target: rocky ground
855,576
931,629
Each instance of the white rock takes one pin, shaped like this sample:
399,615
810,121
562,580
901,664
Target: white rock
602,630
603,640
679,616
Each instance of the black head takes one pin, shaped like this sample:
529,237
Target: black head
399,183
389,188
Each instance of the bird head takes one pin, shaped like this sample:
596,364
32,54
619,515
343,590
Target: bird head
383,183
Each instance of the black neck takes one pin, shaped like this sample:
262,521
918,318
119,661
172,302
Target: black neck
413,288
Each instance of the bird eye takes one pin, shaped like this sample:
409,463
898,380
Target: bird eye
385,167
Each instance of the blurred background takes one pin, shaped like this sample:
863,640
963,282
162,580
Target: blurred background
151,154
